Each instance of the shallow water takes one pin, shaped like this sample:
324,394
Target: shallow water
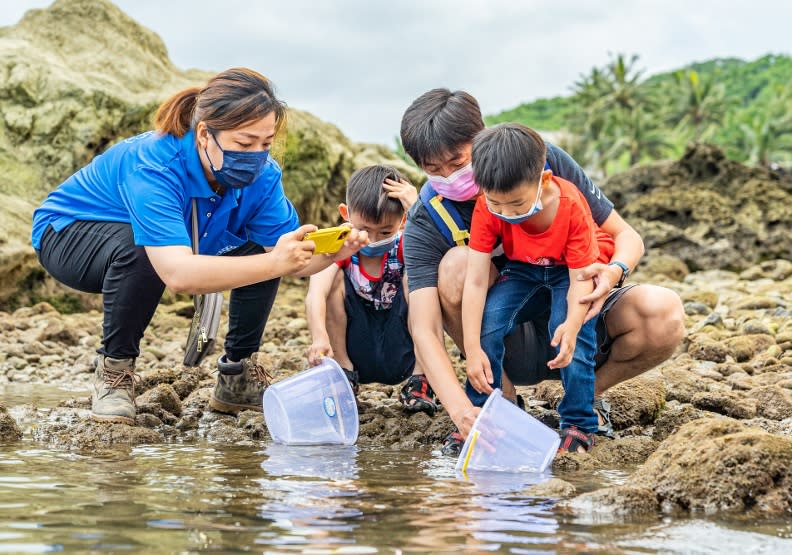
185,498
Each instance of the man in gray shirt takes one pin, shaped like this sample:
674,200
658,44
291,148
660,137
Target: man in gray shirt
638,326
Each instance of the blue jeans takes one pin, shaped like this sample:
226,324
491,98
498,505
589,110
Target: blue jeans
509,304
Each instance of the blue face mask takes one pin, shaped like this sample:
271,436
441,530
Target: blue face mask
240,168
380,247
536,207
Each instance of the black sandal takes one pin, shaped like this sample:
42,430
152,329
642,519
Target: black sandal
573,438
602,407
452,444
417,395
354,380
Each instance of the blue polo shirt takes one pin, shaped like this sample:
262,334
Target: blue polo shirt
149,181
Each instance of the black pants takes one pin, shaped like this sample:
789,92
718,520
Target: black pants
378,342
101,257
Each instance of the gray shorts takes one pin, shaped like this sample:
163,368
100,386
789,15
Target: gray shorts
528,348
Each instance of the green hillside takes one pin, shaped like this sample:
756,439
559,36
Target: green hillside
744,107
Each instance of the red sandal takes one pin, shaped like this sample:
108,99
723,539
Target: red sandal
573,438
417,395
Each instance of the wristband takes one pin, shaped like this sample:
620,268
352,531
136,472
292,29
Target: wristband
625,271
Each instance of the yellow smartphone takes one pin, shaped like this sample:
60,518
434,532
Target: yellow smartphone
328,241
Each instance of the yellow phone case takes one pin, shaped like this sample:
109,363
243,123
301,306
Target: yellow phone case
328,241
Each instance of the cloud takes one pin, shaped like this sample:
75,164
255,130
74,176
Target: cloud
360,63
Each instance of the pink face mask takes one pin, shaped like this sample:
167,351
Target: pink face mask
458,186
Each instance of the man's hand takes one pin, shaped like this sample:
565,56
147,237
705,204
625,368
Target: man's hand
404,191
318,349
605,278
478,370
565,336
465,421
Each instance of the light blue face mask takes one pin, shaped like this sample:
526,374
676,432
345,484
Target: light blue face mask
240,168
520,218
380,247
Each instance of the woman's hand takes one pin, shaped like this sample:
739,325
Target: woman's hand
404,191
565,336
291,253
354,242
478,370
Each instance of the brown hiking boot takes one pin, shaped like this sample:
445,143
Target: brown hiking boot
113,386
240,386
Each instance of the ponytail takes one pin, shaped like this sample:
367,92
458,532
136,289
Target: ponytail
230,99
175,115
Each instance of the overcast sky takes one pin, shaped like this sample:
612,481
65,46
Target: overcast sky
359,63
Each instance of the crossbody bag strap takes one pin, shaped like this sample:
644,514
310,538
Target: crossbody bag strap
194,226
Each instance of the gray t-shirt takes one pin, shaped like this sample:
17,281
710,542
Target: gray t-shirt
425,245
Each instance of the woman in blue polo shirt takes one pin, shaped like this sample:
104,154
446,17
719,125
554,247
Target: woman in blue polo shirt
120,226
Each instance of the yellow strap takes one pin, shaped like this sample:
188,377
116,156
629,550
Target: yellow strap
459,236
470,451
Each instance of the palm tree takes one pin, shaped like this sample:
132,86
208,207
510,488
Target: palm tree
638,135
621,84
605,97
702,103
765,132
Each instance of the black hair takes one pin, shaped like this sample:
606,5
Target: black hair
506,156
229,100
438,122
366,197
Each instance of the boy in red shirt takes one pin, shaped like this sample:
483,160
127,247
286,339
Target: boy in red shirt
548,235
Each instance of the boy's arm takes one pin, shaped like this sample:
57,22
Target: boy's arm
576,311
565,336
319,287
474,296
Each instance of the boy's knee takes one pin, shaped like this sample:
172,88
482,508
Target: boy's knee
451,276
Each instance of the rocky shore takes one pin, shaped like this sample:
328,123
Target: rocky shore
711,427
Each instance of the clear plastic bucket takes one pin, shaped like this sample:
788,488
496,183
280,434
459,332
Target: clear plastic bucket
316,406
505,438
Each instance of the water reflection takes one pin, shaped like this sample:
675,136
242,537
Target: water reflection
492,509
330,462
310,493
189,498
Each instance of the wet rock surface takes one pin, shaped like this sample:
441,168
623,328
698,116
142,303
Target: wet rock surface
9,431
713,465
555,488
614,503
748,381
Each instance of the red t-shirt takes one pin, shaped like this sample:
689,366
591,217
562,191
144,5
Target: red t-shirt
572,240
